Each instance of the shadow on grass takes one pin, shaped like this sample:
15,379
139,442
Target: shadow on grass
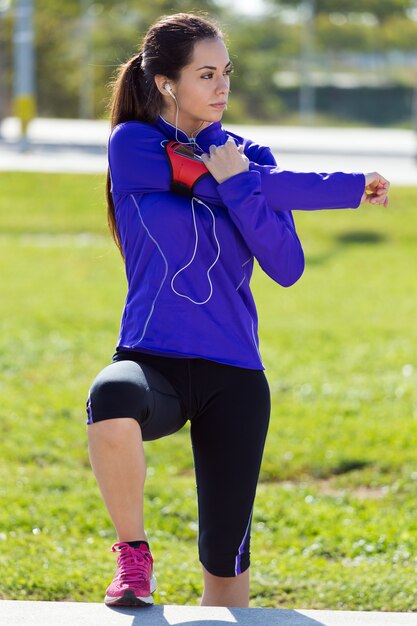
350,238
361,236
344,466
217,616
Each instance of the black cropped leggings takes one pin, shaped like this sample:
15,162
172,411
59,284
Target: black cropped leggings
228,408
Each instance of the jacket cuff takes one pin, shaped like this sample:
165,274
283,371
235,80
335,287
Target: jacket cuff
358,189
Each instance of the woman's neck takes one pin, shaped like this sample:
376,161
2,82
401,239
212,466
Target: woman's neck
190,129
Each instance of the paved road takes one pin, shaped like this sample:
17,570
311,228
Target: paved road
80,146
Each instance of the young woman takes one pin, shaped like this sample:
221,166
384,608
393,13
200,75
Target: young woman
190,207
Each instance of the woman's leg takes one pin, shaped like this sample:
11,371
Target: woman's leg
220,591
128,388
118,461
129,402
228,436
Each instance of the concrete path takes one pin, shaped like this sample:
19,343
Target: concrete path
14,613
80,146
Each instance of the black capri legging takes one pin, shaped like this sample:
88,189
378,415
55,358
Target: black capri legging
228,408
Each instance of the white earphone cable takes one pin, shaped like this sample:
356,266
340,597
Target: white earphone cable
192,141
183,295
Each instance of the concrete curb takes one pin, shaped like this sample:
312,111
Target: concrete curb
16,613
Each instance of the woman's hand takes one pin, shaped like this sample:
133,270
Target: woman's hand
376,189
225,161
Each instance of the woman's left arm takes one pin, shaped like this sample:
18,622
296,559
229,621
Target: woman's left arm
312,191
286,190
269,235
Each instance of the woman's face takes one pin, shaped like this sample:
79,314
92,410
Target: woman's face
203,87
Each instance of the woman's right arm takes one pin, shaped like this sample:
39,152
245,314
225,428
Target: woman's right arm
136,159
138,163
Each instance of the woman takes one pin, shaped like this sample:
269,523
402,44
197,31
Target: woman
190,206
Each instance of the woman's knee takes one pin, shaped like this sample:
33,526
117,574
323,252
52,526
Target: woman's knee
129,389
118,392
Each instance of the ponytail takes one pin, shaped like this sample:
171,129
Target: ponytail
135,95
134,98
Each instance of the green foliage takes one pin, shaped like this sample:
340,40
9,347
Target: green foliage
261,47
346,36
382,9
255,68
334,525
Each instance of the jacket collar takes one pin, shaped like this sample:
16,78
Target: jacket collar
214,134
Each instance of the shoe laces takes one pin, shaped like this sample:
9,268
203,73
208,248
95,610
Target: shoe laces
133,563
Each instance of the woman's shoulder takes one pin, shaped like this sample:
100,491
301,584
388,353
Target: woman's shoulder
257,153
132,130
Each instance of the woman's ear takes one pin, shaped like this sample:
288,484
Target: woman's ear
161,83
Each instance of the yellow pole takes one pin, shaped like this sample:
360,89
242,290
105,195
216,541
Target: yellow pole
24,110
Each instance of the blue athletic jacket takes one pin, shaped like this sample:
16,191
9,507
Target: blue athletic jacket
189,260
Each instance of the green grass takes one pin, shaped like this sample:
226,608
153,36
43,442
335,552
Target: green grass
334,525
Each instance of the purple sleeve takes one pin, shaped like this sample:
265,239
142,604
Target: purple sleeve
136,159
309,191
269,235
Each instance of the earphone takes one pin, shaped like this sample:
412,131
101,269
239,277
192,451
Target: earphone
167,87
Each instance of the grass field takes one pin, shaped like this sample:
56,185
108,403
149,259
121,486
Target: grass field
335,524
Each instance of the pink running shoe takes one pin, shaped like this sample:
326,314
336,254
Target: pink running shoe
134,582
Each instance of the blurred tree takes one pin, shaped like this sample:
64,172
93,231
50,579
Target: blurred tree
356,42
262,48
258,48
382,9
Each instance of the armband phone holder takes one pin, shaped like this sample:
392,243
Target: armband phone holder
187,168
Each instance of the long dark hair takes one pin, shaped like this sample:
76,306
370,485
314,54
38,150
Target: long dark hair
166,48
